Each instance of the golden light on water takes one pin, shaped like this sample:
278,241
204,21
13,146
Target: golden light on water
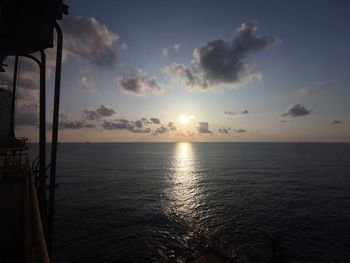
183,184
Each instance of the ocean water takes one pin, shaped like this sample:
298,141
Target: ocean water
165,202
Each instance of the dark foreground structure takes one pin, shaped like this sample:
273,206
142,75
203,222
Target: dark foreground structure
27,189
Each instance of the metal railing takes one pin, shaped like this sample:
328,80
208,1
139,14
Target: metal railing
5,85
15,161
13,153
35,243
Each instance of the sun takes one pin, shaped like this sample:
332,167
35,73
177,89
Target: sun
185,119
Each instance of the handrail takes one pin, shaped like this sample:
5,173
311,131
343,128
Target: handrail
37,239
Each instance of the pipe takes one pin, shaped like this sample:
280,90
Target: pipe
42,140
14,88
54,141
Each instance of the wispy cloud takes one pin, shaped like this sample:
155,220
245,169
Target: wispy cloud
308,91
124,46
335,122
27,114
86,82
236,113
28,81
171,51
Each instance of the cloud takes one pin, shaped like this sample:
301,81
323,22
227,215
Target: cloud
124,46
305,92
138,83
283,121
66,122
28,78
171,126
123,124
224,130
27,115
203,127
86,38
240,131
155,120
162,129
236,113
223,63
171,51
85,82
296,110
186,75
138,126
308,91
335,122
99,113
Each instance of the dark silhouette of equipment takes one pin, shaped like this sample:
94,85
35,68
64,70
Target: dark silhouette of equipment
27,27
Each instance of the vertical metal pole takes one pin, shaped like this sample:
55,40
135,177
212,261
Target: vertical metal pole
14,88
42,140
55,121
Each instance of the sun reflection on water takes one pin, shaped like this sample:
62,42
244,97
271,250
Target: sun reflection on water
184,192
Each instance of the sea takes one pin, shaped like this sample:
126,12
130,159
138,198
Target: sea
169,202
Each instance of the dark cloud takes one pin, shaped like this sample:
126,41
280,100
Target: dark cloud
221,62
224,130
162,129
336,122
123,124
119,124
296,110
240,131
138,126
171,126
203,127
66,122
138,83
88,39
27,115
236,113
99,113
75,125
155,120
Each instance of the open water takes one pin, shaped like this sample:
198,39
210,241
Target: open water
165,202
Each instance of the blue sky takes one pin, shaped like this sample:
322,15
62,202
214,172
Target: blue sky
295,85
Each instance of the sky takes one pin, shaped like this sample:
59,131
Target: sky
198,70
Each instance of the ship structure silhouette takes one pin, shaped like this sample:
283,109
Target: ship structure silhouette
27,189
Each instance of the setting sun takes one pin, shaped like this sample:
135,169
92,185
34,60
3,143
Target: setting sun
184,119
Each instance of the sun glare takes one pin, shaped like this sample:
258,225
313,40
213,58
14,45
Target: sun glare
184,119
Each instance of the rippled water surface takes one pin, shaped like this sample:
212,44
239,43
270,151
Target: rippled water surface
165,202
